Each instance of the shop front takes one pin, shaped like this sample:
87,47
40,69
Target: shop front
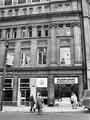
64,86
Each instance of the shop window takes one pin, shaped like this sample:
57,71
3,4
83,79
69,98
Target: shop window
14,34
25,58
39,31
30,31
8,2
21,1
8,90
65,56
42,55
24,83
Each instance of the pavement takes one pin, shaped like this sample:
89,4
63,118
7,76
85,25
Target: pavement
60,106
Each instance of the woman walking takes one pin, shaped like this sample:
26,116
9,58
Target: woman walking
39,103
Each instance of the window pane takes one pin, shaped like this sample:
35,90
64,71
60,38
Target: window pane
42,55
21,1
8,2
25,56
35,0
65,56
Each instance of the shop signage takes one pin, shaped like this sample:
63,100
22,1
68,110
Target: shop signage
66,80
41,82
38,82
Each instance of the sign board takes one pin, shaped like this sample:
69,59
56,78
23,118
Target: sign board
66,80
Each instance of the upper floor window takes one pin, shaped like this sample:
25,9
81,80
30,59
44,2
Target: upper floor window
16,11
2,13
39,31
46,30
30,10
42,55
8,2
65,56
24,11
21,1
25,56
10,12
10,57
8,33
14,33
0,33
35,0
30,31
23,32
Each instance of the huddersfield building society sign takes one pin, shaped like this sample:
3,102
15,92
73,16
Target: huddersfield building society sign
66,80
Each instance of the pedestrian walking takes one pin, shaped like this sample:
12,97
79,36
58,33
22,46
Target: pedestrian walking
32,103
74,100
39,103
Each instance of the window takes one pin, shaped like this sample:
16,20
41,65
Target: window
2,13
68,30
39,9
30,31
8,2
42,55
14,34
25,11
8,90
65,56
25,56
39,31
35,0
16,11
0,33
21,1
23,32
10,57
8,33
30,10
46,30
9,12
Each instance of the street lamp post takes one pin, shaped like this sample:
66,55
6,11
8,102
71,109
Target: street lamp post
3,76
84,62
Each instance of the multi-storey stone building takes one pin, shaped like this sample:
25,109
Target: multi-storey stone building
48,49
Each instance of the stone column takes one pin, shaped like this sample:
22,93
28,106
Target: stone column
77,44
50,90
15,90
52,46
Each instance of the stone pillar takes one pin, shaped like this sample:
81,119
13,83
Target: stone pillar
15,90
77,44
50,90
52,46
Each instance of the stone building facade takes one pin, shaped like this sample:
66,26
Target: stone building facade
48,49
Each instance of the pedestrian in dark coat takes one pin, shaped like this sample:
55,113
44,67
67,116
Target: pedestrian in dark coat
32,102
